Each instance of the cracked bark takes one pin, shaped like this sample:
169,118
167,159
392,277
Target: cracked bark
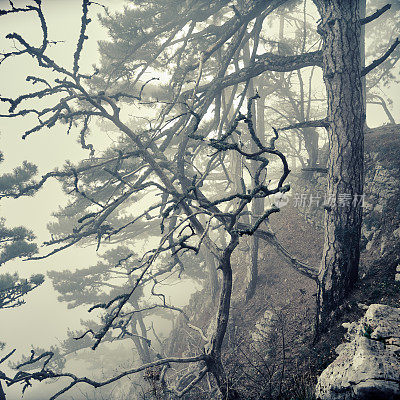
340,29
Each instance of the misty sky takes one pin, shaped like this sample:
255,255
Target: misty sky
42,320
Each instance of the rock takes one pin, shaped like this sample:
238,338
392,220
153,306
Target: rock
368,234
362,306
368,367
370,244
396,233
265,326
397,276
383,320
367,206
383,244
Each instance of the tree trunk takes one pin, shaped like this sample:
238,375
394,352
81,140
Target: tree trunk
2,394
145,346
363,8
311,145
340,30
257,205
141,345
213,360
211,273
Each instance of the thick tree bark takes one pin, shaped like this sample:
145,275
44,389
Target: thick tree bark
363,8
340,29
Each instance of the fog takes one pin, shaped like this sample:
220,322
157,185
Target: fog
195,209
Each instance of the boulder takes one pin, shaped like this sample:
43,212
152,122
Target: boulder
368,366
397,276
265,327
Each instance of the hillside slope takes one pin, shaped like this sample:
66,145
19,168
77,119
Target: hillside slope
269,342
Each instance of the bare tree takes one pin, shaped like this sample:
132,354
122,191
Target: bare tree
184,203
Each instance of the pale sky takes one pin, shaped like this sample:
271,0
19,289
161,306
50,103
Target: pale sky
42,320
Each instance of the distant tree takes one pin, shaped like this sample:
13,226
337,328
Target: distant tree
109,278
13,288
383,30
15,243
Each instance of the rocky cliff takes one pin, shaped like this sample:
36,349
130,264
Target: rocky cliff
381,199
368,365
269,338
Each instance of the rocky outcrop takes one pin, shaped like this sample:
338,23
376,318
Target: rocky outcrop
381,227
265,327
368,366
381,201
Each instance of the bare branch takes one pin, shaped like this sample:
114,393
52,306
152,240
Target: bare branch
323,123
376,14
7,356
46,374
263,63
82,36
380,60
299,266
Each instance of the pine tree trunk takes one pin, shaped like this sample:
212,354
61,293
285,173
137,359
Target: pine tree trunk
363,7
257,205
140,344
340,30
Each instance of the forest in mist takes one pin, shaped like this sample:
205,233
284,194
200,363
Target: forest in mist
197,197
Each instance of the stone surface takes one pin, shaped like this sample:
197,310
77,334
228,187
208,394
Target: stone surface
265,326
381,200
367,367
396,233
